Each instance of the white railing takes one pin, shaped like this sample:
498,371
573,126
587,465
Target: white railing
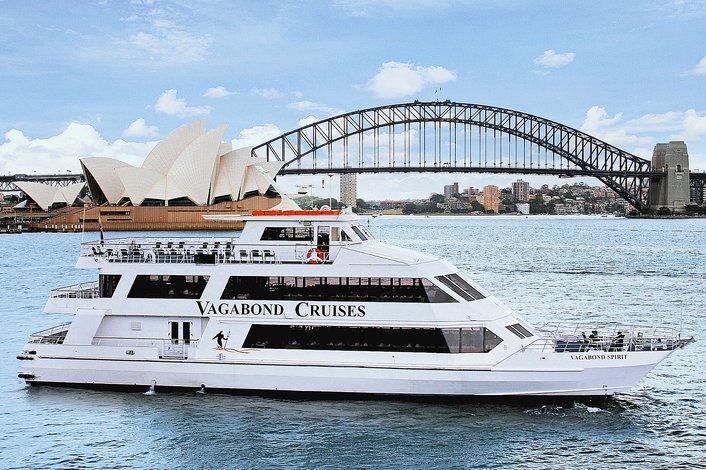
608,337
53,335
167,348
202,251
83,290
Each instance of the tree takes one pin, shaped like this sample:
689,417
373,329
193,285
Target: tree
477,206
437,198
361,204
409,208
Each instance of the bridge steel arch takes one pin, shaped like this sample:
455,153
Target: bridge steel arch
445,136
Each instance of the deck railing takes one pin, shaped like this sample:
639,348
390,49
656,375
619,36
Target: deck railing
53,335
203,251
167,348
83,290
606,337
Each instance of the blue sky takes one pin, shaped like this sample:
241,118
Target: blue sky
110,78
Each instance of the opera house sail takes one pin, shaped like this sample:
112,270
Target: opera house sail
191,172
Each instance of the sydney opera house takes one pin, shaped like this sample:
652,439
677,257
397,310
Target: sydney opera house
188,174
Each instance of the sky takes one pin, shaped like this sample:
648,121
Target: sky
111,78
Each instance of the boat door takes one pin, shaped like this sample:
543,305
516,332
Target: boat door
180,338
323,239
180,332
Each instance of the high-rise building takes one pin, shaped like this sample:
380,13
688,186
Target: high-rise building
349,189
520,191
450,190
491,198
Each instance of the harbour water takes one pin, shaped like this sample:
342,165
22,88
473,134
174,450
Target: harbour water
546,268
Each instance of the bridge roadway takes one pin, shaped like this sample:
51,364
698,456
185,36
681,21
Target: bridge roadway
62,179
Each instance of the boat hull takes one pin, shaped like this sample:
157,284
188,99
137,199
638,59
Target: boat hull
551,376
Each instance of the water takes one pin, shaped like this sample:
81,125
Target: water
547,269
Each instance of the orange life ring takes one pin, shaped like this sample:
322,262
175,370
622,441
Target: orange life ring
315,256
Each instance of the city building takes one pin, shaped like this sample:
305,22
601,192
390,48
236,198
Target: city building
450,190
349,189
520,191
522,208
491,198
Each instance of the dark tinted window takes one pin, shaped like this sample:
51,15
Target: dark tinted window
108,283
460,286
471,340
166,287
354,289
519,330
288,233
346,338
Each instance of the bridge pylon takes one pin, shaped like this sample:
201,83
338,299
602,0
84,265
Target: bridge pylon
671,190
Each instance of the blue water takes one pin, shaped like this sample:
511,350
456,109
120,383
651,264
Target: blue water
547,269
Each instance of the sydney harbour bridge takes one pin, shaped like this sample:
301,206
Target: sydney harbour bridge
451,137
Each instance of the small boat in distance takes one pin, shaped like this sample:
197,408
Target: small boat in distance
310,302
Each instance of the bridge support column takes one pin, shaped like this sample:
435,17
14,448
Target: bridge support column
671,191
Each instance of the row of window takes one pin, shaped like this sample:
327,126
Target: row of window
348,338
359,289
351,289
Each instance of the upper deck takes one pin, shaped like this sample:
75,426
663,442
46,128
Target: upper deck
298,237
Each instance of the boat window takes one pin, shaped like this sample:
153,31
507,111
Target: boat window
323,238
107,284
288,233
346,338
165,287
457,284
366,232
519,330
358,232
345,237
471,340
355,289
335,234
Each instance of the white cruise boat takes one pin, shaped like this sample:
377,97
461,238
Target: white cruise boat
309,301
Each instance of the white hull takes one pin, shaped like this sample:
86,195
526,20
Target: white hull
378,379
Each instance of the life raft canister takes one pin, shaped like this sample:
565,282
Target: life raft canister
315,256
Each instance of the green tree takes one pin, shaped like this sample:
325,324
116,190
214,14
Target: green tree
477,206
436,198
409,208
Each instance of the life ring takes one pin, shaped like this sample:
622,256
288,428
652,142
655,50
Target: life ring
315,256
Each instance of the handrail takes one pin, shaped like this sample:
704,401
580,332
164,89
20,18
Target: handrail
82,290
122,251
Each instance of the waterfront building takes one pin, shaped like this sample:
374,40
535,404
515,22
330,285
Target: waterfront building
520,191
491,198
522,208
190,166
450,190
349,189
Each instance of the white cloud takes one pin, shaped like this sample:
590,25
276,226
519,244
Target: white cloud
639,135
311,106
268,93
20,154
218,92
699,68
256,135
168,103
139,128
396,79
551,59
307,120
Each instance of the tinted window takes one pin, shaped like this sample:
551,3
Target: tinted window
365,289
346,338
165,287
288,233
457,284
108,283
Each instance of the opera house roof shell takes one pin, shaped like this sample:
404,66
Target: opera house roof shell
46,196
190,165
